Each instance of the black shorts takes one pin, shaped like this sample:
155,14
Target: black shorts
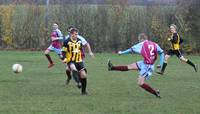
79,66
174,52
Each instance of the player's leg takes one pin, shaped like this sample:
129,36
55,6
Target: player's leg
75,73
167,56
147,87
165,63
68,75
48,56
145,72
83,78
189,62
181,57
122,67
58,51
51,63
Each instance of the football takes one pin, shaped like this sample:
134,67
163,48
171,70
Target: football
17,68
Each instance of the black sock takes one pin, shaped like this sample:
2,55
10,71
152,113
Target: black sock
68,74
84,84
76,76
49,58
190,63
163,67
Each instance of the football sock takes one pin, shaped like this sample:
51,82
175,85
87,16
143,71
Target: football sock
148,88
68,74
163,67
49,58
76,76
190,63
84,84
120,68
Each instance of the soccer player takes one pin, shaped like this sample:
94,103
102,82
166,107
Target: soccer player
56,44
175,40
72,51
149,51
85,44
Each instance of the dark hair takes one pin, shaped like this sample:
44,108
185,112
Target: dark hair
73,30
70,28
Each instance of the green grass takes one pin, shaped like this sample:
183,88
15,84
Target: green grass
38,90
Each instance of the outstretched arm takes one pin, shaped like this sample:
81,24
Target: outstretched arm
161,58
161,53
125,51
89,50
135,48
87,45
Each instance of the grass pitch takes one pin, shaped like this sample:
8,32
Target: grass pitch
39,90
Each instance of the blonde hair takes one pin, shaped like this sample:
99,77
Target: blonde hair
142,37
173,25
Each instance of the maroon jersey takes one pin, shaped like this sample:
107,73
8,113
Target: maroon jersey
56,43
149,52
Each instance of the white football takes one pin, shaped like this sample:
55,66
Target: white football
17,68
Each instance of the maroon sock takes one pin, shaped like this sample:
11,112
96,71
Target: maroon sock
148,88
120,68
49,58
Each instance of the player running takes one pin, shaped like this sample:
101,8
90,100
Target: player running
149,51
72,52
56,44
85,45
175,50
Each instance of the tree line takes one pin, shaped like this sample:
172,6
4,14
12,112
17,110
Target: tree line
107,27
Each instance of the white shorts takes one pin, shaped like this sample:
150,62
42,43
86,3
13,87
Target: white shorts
56,50
145,70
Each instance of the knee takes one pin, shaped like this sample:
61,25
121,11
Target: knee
67,70
166,57
132,66
83,74
140,83
183,59
129,67
72,68
46,52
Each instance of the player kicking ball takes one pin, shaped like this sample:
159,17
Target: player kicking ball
149,51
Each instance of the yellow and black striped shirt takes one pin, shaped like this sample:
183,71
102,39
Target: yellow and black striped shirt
175,41
73,50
